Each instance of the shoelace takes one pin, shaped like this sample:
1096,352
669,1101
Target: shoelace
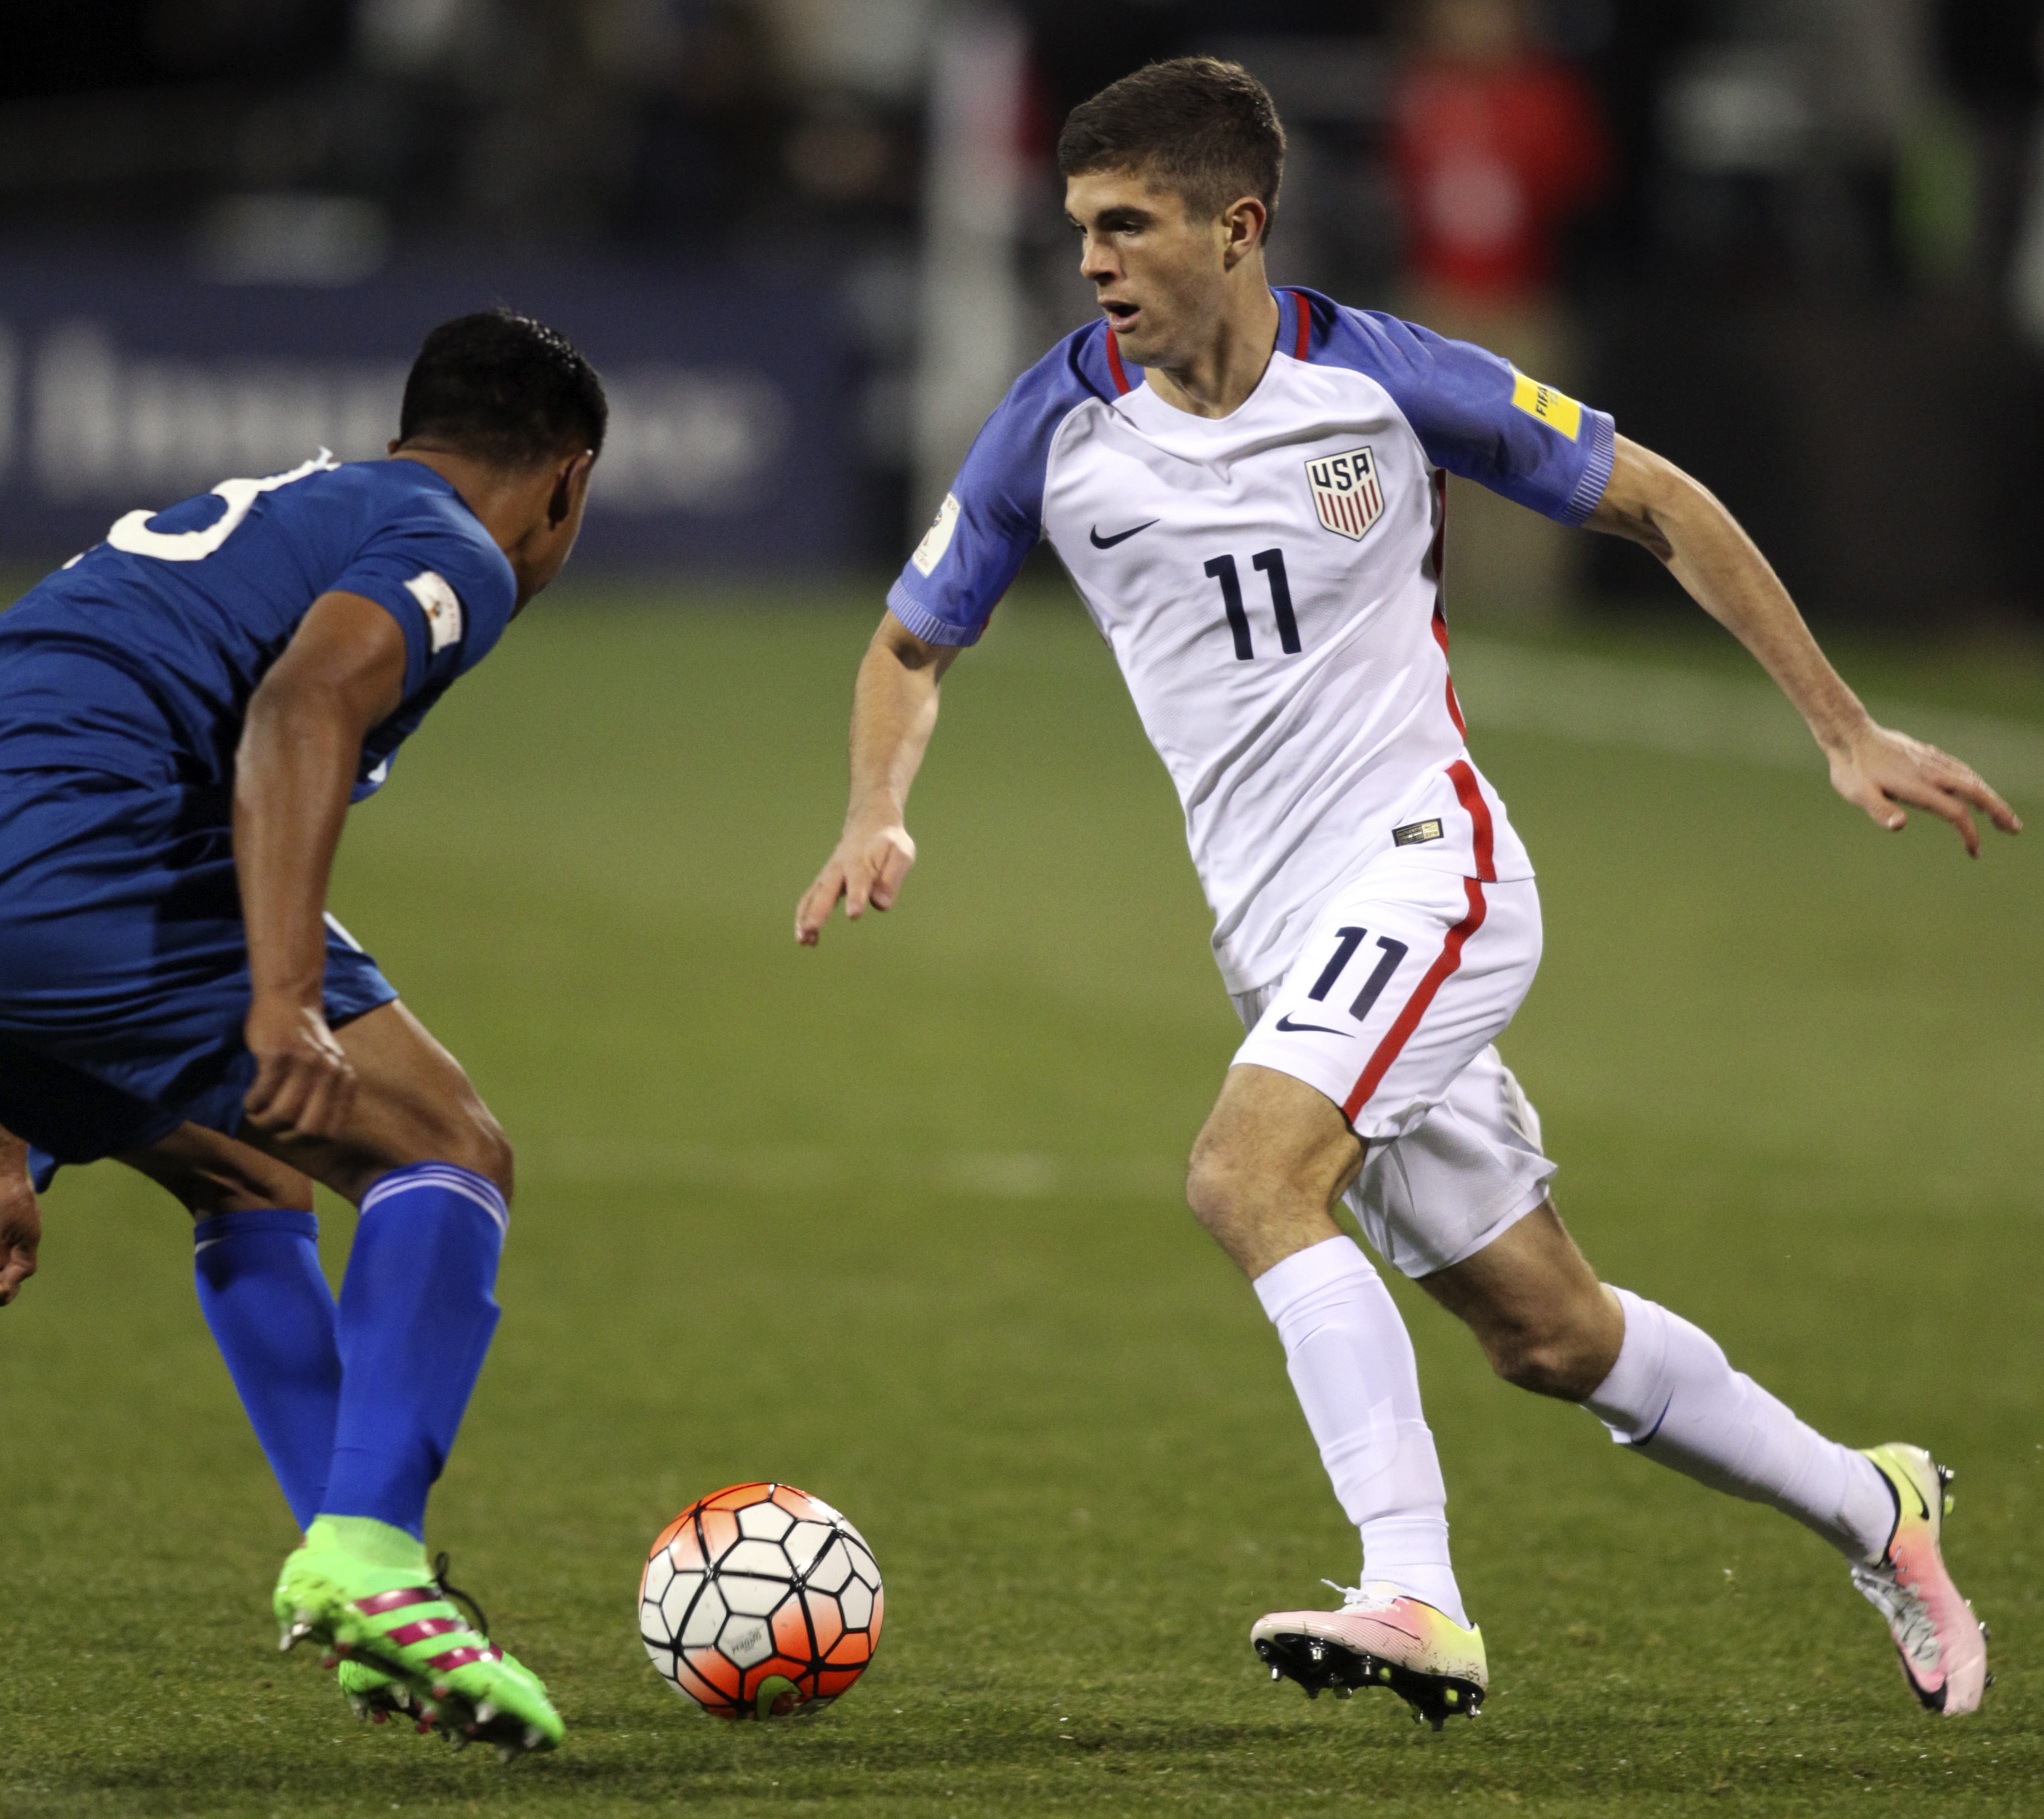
1362,1597
1908,1615
455,1594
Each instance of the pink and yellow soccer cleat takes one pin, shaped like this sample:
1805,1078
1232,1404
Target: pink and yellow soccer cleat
1943,1646
1378,1639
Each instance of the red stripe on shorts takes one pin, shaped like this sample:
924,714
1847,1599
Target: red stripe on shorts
1470,793
1114,361
1400,1032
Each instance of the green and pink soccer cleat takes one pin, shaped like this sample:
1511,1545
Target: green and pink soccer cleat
363,1590
1943,1646
1378,1639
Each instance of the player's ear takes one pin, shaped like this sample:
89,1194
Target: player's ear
1243,223
570,479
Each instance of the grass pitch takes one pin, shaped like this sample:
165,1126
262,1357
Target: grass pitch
899,1221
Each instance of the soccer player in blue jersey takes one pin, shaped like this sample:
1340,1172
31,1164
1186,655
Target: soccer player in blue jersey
1248,489
186,711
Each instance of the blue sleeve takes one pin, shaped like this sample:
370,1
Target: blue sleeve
993,517
1477,416
449,588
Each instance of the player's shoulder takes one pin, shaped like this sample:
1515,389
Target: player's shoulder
1402,354
1010,456
1083,366
406,507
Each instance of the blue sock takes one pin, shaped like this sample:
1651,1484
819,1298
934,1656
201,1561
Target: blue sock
416,1318
272,1315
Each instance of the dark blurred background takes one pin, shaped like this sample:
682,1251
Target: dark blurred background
1798,245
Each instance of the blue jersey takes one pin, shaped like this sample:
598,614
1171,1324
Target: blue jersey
138,658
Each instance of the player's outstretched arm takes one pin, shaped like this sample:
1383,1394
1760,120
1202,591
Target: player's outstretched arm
894,713
342,674
1653,502
21,1218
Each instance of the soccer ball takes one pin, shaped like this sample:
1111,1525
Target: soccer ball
760,1602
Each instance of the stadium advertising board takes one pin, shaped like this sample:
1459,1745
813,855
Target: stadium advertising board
127,383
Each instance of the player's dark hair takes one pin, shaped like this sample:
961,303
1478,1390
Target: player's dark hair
1205,129
504,388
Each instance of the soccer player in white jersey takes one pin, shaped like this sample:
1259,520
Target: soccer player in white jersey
1247,489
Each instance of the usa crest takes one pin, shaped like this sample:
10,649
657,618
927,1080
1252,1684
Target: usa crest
1346,491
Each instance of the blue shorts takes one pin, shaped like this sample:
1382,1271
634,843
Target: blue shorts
124,964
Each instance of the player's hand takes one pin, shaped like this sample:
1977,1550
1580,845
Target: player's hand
304,1084
21,1222
867,869
1880,770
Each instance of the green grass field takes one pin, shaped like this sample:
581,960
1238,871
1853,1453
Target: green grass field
899,1221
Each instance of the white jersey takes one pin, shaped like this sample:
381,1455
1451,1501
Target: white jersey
1271,584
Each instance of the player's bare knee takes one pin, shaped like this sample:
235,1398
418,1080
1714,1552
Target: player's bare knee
1565,1360
1214,1187
476,1141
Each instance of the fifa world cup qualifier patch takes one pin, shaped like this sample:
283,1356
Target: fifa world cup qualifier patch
442,607
1555,409
1416,833
1346,492
937,539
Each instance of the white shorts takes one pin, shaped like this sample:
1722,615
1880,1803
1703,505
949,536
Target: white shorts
1390,1011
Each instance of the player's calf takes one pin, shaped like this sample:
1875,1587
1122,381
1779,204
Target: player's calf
1544,1320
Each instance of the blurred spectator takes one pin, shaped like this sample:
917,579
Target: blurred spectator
1496,146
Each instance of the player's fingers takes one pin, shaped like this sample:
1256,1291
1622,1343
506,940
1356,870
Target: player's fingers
1861,792
329,1101
259,1101
892,870
859,876
1977,790
1921,793
817,902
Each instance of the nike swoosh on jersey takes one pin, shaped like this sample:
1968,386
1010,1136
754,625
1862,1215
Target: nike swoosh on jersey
1292,1028
1100,542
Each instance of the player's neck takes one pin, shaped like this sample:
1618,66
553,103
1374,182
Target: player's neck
1230,359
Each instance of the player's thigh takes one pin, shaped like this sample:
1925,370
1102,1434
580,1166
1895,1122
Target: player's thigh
1267,1165
1462,1177
412,1104
1408,974
208,1174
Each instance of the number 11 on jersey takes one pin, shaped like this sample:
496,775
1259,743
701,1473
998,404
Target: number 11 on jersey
1271,562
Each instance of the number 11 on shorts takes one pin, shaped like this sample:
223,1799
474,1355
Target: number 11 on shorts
1347,942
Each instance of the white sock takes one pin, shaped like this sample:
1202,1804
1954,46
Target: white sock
1674,1397
1352,1365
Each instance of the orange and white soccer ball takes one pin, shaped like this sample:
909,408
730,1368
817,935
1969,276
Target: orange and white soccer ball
760,1602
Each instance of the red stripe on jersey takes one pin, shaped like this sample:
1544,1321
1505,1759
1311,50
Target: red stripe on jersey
1400,1032
1437,559
1114,361
1470,793
1303,341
